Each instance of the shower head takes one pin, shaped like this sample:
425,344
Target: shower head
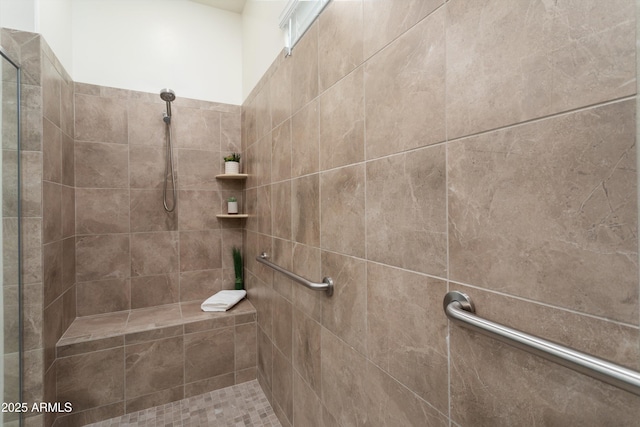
167,95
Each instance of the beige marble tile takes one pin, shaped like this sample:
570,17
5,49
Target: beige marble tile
384,20
281,150
305,203
493,384
283,326
147,211
405,87
197,169
100,165
263,112
305,140
198,209
31,190
147,291
68,161
345,313
342,122
281,209
101,211
200,285
408,229
342,221
340,43
307,352
195,128
280,92
265,358
52,212
92,379
208,354
230,128
101,257
146,126
148,167
200,250
246,350
100,119
51,152
306,262
406,335
154,253
304,72
103,296
153,366
307,406
51,92
283,383
553,57
549,224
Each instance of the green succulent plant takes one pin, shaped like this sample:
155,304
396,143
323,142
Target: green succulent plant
233,157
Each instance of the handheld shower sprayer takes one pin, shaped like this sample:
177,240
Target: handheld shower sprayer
168,96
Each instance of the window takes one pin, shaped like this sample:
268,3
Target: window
297,17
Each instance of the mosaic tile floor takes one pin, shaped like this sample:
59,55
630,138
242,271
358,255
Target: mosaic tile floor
242,405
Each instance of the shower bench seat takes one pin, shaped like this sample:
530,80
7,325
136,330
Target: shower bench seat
111,364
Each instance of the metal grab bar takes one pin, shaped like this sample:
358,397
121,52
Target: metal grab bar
459,308
326,285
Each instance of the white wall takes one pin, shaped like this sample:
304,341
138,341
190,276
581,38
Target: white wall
18,14
148,45
262,40
54,24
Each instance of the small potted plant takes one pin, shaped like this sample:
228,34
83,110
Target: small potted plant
232,163
237,266
232,205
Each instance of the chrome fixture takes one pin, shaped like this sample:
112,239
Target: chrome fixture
168,96
326,285
459,308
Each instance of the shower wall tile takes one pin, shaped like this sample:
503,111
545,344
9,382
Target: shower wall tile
197,169
100,119
281,209
102,257
101,211
154,366
342,222
147,211
145,123
556,58
345,313
147,167
52,205
342,122
340,43
154,253
51,91
538,389
31,189
417,357
200,250
198,209
305,137
68,161
304,72
568,222
91,379
281,150
196,128
408,229
201,362
51,152
99,165
103,296
200,285
405,89
68,211
230,128
431,195
149,291
305,202
280,92
384,21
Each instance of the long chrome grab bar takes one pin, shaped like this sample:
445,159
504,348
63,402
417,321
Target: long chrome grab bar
459,308
326,285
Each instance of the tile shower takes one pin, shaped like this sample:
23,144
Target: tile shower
486,147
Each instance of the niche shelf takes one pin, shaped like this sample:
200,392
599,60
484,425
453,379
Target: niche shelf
232,176
232,216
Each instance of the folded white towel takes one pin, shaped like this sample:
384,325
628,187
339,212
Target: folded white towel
223,300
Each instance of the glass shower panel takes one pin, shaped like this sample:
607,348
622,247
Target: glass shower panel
10,320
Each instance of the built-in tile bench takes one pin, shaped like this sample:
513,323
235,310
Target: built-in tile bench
111,364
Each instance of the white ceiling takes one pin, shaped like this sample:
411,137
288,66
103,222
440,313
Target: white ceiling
231,5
